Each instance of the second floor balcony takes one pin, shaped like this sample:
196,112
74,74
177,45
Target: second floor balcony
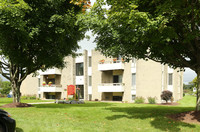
111,87
110,65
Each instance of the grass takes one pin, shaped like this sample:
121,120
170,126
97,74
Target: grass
98,116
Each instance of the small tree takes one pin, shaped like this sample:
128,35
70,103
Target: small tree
166,95
6,87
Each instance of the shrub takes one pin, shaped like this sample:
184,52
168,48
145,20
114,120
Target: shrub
166,95
151,100
172,99
29,97
139,100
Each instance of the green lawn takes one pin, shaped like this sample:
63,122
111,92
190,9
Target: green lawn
96,116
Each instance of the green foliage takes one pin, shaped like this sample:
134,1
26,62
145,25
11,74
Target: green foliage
6,87
188,86
29,97
139,100
166,95
151,100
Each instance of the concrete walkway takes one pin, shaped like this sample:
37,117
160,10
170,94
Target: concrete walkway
42,103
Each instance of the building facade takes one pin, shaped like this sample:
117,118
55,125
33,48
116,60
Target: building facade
106,79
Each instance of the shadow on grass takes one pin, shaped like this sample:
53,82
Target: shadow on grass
156,115
97,104
19,129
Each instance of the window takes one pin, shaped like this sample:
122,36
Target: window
133,97
79,69
133,64
90,61
117,78
90,80
133,79
133,60
90,97
38,82
170,79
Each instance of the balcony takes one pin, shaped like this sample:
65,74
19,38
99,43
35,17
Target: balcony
52,88
52,71
111,65
111,87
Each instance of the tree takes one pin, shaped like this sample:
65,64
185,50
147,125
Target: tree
164,31
37,34
6,87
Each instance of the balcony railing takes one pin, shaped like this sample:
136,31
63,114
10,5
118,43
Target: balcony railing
52,88
111,87
51,71
110,65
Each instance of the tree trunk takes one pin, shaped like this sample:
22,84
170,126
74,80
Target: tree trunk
16,91
198,89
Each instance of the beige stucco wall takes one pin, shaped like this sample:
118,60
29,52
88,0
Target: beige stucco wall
127,80
85,70
68,75
177,85
96,75
148,79
29,86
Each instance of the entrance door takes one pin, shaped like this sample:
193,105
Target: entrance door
81,91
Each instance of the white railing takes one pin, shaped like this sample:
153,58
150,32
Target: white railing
111,84
111,87
52,85
111,62
52,88
111,65
51,71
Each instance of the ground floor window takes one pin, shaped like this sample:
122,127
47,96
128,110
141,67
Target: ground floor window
90,97
133,97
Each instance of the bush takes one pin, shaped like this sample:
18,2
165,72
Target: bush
139,100
29,97
151,100
166,95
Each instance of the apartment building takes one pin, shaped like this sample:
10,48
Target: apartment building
106,79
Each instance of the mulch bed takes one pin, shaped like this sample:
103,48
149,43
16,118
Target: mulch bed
15,105
188,117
